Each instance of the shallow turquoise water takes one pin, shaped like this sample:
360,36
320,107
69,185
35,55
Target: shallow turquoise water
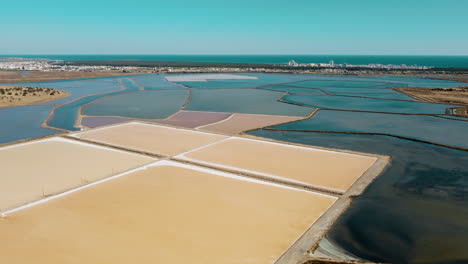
415,81
23,122
357,90
396,96
293,90
426,128
461,118
251,101
64,117
78,89
367,104
142,104
340,83
219,85
154,81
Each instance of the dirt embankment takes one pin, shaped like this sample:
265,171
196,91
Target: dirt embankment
456,79
453,95
15,96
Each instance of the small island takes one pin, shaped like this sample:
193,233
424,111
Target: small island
16,95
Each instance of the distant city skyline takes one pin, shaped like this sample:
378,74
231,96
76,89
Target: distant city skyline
320,27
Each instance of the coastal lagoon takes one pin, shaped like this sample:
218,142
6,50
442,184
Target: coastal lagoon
415,212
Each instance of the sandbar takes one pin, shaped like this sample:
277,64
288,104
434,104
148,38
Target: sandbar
16,96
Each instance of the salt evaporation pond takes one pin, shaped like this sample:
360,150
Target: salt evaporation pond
156,82
396,96
219,85
64,117
293,90
367,104
23,122
243,101
142,104
415,212
419,127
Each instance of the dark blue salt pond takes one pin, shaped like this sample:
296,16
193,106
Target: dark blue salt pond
367,104
64,117
218,85
395,96
249,101
358,90
341,83
420,127
78,89
23,122
156,82
148,104
293,90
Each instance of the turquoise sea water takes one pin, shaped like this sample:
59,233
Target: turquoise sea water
436,61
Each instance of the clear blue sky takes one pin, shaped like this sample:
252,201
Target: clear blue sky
414,27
